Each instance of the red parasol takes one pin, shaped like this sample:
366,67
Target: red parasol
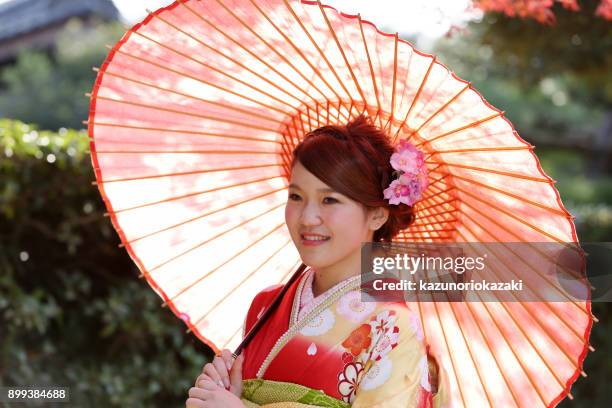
194,115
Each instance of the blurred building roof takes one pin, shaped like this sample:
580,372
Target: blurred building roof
34,23
22,16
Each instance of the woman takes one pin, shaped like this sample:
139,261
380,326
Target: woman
324,345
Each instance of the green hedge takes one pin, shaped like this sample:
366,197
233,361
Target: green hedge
72,311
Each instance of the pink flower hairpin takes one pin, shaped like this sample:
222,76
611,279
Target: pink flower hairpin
411,173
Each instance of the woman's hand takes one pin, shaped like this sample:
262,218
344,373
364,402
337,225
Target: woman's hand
209,394
219,383
226,372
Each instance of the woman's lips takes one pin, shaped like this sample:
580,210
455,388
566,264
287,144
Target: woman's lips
313,240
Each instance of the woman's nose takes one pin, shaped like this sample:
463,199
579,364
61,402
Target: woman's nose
310,215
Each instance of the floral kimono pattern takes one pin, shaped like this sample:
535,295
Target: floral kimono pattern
344,351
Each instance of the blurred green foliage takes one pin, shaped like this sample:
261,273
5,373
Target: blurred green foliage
49,89
72,311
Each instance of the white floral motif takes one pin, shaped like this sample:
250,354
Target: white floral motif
383,322
384,344
319,324
377,374
385,335
347,381
351,306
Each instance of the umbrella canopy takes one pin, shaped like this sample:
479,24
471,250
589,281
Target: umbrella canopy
194,115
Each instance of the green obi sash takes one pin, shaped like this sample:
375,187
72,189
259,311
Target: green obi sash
258,392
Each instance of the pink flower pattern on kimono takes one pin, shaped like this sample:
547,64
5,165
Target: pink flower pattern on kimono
348,380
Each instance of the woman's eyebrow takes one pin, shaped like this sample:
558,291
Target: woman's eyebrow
322,190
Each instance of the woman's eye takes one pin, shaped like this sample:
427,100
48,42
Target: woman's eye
294,197
330,200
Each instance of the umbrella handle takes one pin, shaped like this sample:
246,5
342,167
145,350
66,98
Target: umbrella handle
267,312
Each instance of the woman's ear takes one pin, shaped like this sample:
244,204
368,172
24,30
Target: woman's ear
378,217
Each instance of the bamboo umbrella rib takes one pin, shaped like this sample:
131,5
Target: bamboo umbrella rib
439,179
508,213
552,336
292,138
416,97
468,345
348,65
180,112
394,86
215,237
202,215
516,357
224,73
319,114
475,320
189,132
433,231
321,53
554,311
462,128
483,149
516,196
503,173
211,84
247,277
273,49
229,339
453,211
420,215
229,152
297,49
488,344
444,336
234,41
286,158
302,124
222,264
223,105
236,332
367,51
443,107
186,173
446,221
437,205
522,240
192,194
535,349
440,191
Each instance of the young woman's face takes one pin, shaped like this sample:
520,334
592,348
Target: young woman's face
325,226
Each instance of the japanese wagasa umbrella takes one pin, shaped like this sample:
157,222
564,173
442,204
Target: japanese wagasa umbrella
194,115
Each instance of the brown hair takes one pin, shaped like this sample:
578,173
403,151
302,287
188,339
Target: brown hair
354,160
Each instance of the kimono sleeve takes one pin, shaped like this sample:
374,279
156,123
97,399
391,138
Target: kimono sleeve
395,371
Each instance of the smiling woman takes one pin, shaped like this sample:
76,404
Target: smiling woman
327,344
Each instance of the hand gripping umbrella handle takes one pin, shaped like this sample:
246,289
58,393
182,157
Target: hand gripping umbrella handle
268,311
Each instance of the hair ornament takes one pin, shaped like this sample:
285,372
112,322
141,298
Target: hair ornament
410,177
